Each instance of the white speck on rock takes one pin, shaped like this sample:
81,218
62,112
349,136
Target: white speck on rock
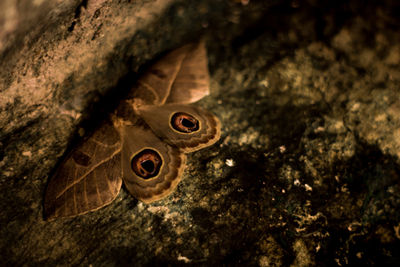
355,107
230,162
183,258
140,206
265,83
307,187
27,154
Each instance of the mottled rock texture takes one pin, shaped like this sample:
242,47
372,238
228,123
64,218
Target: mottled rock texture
307,170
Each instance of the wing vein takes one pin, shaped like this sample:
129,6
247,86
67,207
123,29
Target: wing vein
75,207
148,86
178,69
100,143
85,194
109,186
84,176
97,187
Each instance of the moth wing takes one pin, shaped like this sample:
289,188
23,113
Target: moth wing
181,76
155,84
138,143
192,80
162,120
89,178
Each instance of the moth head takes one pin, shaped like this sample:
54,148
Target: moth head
184,122
137,102
147,163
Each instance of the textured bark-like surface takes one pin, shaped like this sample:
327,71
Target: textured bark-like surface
307,170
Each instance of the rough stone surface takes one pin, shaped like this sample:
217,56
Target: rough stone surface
307,170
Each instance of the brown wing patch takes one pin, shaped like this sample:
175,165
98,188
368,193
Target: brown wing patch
89,178
154,85
192,81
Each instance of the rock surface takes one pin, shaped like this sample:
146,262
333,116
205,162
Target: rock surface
307,169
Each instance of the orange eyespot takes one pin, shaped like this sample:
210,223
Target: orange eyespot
146,164
184,123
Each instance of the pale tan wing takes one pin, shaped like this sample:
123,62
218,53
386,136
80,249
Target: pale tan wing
154,86
188,127
192,81
89,178
151,168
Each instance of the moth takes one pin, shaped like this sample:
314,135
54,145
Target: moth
143,143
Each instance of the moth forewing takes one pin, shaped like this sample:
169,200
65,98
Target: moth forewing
89,178
192,80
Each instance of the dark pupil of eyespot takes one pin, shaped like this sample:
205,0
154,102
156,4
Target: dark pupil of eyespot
148,165
187,123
